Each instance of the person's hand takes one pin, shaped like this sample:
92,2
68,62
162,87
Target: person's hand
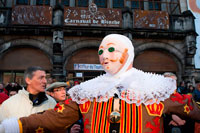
2,129
76,128
176,121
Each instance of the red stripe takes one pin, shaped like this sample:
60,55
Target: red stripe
133,118
108,113
122,116
140,119
128,116
93,116
103,117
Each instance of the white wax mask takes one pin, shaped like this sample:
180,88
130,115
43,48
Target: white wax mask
116,53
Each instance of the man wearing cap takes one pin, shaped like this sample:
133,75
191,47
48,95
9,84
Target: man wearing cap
57,90
122,100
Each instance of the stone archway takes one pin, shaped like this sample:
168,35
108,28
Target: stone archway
167,51
155,61
19,58
17,55
27,43
73,48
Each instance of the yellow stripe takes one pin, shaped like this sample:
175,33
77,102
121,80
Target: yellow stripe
20,126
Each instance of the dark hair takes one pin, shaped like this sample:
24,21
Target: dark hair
30,70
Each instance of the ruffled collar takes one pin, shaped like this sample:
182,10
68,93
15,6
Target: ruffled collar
133,86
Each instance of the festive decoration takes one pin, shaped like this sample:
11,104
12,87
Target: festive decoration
181,98
85,107
155,109
186,109
39,130
67,101
59,108
156,128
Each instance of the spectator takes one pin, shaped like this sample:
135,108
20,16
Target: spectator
196,95
58,91
12,92
13,88
76,82
70,84
30,100
3,97
182,89
172,122
2,89
191,89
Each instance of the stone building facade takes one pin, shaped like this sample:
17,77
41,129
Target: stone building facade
63,36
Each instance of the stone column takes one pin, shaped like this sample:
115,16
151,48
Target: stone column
190,42
58,39
190,46
127,20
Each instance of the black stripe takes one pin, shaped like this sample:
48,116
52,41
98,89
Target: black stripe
136,120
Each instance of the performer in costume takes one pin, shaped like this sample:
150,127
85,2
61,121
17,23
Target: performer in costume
124,100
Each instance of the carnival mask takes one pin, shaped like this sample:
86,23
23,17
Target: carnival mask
114,53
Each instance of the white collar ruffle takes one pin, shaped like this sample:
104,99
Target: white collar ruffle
134,86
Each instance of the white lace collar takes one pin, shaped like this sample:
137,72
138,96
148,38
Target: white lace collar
134,86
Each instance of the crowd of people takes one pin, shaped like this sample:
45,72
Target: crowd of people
32,98
137,100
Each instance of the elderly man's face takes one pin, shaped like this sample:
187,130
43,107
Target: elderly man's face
38,82
112,57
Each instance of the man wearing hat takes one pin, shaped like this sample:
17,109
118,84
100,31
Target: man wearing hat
57,90
122,100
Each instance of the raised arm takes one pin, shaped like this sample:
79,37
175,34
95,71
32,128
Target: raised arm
57,119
